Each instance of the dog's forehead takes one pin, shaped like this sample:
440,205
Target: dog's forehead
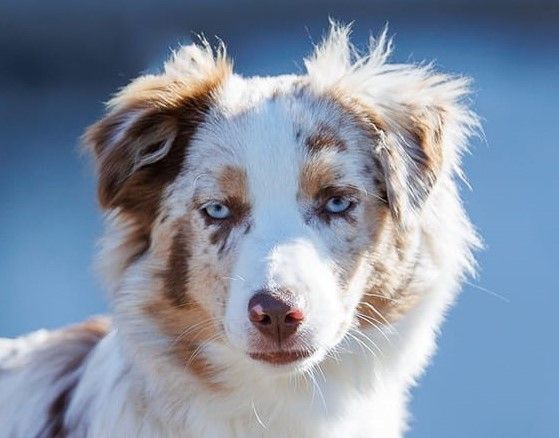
282,140
275,123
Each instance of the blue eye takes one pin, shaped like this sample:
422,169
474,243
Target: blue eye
216,210
337,205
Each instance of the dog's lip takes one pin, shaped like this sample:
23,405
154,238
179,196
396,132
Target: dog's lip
281,357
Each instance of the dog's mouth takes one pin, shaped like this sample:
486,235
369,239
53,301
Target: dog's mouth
281,357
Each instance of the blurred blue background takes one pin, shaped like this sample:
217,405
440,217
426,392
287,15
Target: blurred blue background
496,372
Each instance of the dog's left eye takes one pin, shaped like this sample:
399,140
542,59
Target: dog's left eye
337,204
216,210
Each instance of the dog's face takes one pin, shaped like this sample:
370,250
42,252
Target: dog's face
266,217
279,208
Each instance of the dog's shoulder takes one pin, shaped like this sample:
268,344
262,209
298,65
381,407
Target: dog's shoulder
71,341
41,370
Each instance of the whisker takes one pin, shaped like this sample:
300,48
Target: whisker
373,322
317,386
394,300
373,343
370,306
373,195
258,416
236,277
362,344
488,291
321,372
200,347
200,326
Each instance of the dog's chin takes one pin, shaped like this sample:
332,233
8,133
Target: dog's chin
282,357
287,361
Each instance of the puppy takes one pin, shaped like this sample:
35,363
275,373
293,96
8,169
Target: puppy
279,253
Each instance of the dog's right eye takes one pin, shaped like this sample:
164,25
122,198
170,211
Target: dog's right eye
217,211
337,205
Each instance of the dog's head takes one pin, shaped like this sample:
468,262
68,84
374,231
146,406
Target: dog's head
265,218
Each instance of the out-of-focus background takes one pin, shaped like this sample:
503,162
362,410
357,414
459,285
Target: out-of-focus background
496,372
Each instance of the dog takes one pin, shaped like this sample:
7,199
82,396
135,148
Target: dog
279,253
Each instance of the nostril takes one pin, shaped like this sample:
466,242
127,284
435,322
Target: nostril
266,320
257,315
294,317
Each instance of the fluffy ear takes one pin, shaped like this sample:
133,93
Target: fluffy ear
139,146
411,153
417,119
125,143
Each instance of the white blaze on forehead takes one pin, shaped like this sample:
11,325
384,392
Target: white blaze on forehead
272,157
273,161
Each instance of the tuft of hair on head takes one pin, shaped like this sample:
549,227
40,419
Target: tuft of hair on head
419,119
198,62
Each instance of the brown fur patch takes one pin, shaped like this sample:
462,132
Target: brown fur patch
149,112
233,184
176,274
387,297
188,328
379,310
316,176
325,137
365,117
428,138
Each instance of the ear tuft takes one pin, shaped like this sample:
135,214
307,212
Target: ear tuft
198,62
336,57
332,58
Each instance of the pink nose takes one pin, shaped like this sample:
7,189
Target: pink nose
274,317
